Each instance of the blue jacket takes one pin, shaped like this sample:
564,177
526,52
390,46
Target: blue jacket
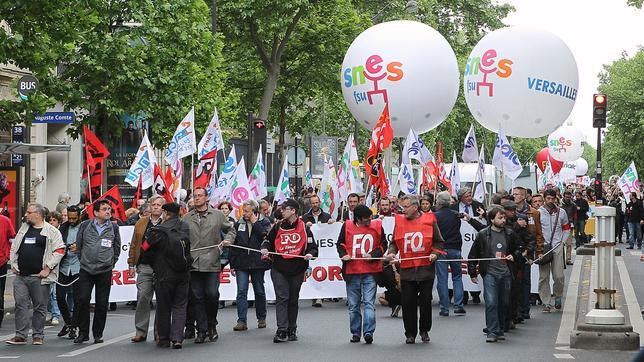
241,259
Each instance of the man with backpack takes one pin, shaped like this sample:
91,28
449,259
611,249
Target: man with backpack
168,247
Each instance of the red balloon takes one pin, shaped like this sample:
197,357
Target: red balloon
542,159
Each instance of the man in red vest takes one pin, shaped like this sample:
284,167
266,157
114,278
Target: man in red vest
419,241
361,238
293,239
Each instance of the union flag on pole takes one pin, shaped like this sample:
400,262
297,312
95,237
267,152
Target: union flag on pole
114,198
381,138
160,188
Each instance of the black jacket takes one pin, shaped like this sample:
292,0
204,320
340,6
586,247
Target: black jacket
582,212
524,238
292,266
482,249
634,212
156,248
323,218
450,226
241,259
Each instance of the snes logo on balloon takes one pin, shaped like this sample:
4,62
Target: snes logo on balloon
374,70
486,64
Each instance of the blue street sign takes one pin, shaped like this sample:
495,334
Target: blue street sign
55,117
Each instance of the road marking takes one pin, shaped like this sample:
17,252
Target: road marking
563,356
96,346
635,253
634,311
9,357
570,307
562,348
3,338
593,284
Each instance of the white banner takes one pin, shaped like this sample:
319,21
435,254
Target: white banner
326,278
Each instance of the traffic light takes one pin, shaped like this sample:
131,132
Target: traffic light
257,137
599,111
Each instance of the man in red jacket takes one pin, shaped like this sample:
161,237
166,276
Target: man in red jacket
361,238
419,241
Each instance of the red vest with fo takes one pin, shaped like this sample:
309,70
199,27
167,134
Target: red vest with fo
291,242
359,241
414,238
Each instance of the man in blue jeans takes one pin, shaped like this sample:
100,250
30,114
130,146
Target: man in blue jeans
360,240
449,223
252,228
495,241
634,218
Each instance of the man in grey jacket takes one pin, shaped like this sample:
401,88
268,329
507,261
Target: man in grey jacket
98,245
207,225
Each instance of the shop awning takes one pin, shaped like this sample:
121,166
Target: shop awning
29,148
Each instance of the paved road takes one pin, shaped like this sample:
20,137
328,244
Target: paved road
324,336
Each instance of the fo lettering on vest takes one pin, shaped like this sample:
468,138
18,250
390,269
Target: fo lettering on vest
291,242
361,241
414,239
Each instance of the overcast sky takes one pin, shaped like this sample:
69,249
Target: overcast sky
597,33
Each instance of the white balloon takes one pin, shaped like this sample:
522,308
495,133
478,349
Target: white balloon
521,80
582,167
409,64
567,174
565,144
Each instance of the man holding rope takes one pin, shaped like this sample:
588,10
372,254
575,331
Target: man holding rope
292,246
358,242
35,254
419,241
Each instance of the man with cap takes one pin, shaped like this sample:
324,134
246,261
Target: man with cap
518,223
294,241
168,248
467,205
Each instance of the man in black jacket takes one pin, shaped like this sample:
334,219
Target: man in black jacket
582,216
497,242
346,213
295,242
168,245
247,265
634,218
316,214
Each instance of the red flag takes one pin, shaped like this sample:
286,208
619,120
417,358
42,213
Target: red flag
159,186
205,168
381,137
114,198
95,153
137,195
442,175
169,179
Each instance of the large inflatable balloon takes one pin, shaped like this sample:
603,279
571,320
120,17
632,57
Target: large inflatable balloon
521,80
407,64
542,158
565,144
581,167
567,173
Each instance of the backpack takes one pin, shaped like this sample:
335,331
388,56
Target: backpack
176,250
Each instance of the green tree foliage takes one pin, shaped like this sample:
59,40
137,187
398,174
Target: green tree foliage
622,82
106,59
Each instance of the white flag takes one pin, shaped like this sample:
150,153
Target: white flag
224,183
505,158
143,165
258,177
240,189
415,149
470,147
629,182
183,141
329,189
344,170
212,139
283,190
406,180
479,185
355,183
455,176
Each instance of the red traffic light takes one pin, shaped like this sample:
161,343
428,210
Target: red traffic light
600,99
259,123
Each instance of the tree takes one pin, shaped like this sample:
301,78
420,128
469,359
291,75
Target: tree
115,58
622,82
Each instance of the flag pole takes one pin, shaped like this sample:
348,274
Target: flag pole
89,183
192,176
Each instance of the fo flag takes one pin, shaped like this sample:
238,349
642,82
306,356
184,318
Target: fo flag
469,147
381,138
160,187
505,158
205,169
240,190
142,166
629,182
113,196
183,141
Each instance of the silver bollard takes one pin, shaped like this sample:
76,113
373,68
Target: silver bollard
604,311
